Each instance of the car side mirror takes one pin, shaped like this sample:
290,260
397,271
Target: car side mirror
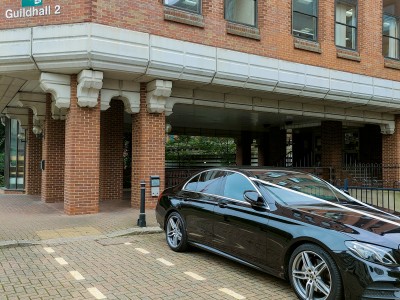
253,197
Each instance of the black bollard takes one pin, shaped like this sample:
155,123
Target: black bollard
141,222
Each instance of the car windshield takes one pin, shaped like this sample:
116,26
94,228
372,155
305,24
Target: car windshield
303,183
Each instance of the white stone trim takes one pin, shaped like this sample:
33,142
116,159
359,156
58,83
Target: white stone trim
59,86
73,47
58,113
34,101
157,93
388,128
127,91
18,113
89,84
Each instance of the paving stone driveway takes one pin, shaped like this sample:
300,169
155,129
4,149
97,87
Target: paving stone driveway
129,267
47,255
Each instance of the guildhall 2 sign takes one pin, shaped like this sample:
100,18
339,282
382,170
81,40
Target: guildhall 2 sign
32,8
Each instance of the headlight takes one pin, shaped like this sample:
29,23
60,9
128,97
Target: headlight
373,253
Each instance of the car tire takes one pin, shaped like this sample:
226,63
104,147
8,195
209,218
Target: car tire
175,232
313,274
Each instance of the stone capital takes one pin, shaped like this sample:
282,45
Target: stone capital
388,128
89,84
18,113
157,93
34,101
126,91
59,86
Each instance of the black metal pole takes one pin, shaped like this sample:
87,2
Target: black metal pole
141,222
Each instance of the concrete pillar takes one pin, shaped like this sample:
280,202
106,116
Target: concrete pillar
33,156
82,153
243,149
148,149
331,147
111,152
391,156
54,156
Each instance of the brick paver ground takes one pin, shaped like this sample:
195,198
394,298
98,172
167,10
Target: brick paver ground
110,262
27,218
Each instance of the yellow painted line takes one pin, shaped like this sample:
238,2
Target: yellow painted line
76,275
165,262
96,293
232,293
141,250
61,261
195,276
49,250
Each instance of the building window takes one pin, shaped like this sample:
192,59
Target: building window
188,5
305,19
14,167
346,24
241,11
391,29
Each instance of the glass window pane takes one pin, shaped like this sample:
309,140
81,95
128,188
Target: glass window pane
308,7
235,186
391,47
241,11
304,26
391,7
13,167
345,36
192,184
210,182
190,5
390,26
346,14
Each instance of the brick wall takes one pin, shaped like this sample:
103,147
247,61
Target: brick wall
112,147
332,145
33,156
53,154
391,155
82,157
274,23
148,150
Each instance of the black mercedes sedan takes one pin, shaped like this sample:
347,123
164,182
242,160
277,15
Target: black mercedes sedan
289,224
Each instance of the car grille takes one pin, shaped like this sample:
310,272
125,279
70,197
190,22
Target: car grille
382,290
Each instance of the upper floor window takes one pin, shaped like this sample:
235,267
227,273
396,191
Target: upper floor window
188,5
241,11
305,19
346,24
391,29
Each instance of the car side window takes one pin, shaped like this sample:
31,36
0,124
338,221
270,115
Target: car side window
192,184
235,186
210,182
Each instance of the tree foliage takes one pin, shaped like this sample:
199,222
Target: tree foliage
188,150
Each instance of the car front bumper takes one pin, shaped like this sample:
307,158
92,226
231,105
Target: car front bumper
365,280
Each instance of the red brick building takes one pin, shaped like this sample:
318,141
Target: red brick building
78,74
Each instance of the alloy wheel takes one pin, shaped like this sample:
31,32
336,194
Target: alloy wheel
174,231
311,276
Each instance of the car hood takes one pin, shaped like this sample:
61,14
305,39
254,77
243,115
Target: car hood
358,221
